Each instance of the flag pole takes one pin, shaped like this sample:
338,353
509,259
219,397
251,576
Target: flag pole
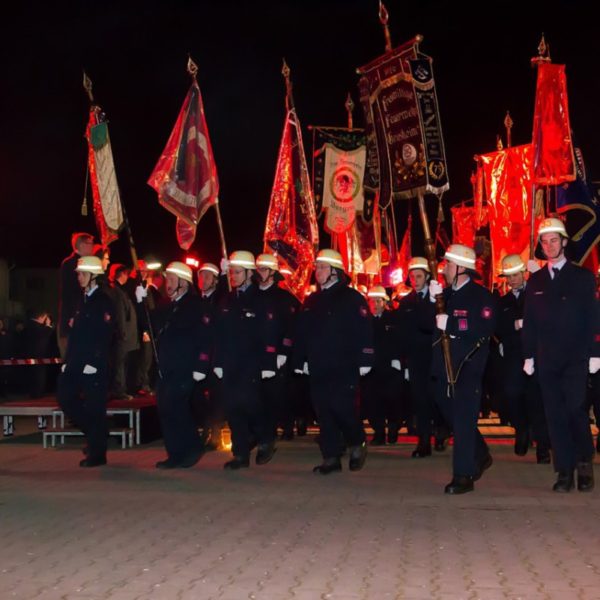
192,69
87,84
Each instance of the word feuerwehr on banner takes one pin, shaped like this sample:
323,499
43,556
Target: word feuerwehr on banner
405,149
108,211
338,176
185,176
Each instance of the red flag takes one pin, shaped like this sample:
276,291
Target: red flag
291,230
507,175
466,220
185,176
553,159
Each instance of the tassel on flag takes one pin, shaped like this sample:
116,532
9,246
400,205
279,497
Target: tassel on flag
185,176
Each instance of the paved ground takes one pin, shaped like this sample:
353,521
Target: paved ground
127,531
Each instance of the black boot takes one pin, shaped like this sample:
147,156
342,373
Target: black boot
564,482
301,426
378,439
460,484
441,441
330,465
423,449
483,465
358,455
392,436
585,476
237,462
542,455
521,442
265,453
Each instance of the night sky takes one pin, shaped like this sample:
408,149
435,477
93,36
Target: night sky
136,53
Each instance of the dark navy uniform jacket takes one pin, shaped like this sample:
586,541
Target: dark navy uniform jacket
183,337
91,334
471,314
511,308
560,320
334,334
69,292
286,307
246,334
416,325
385,341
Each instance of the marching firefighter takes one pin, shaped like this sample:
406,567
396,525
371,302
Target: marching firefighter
521,393
417,324
560,342
381,388
83,386
335,348
277,392
245,356
183,344
469,321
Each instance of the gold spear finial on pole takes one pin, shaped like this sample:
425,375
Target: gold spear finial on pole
87,86
384,17
543,53
192,67
349,109
508,123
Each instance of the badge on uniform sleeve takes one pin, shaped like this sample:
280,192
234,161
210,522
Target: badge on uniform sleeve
463,325
363,311
107,317
206,319
486,313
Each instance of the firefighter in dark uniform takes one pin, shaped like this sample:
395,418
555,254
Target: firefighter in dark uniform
83,386
469,321
183,345
335,348
277,391
521,393
381,388
245,355
207,402
416,315
560,342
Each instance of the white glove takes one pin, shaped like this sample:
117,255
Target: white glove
441,321
140,293
303,370
364,371
406,375
62,369
281,360
197,376
528,366
501,350
89,370
224,266
594,366
533,266
267,374
218,371
518,324
435,289
396,365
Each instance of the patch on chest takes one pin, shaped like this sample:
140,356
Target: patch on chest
486,312
107,317
461,313
463,325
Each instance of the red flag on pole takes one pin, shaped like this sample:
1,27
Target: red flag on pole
553,158
185,176
291,230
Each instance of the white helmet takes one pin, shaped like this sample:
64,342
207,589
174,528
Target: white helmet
552,225
181,270
511,264
242,258
210,268
90,264
267,261
461,255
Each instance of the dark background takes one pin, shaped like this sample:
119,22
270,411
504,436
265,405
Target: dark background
136,53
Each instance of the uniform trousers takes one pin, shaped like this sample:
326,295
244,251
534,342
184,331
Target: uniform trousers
337,407
273,399
564,391
524,401
461,411
245,414
173,397
83,399
381,394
